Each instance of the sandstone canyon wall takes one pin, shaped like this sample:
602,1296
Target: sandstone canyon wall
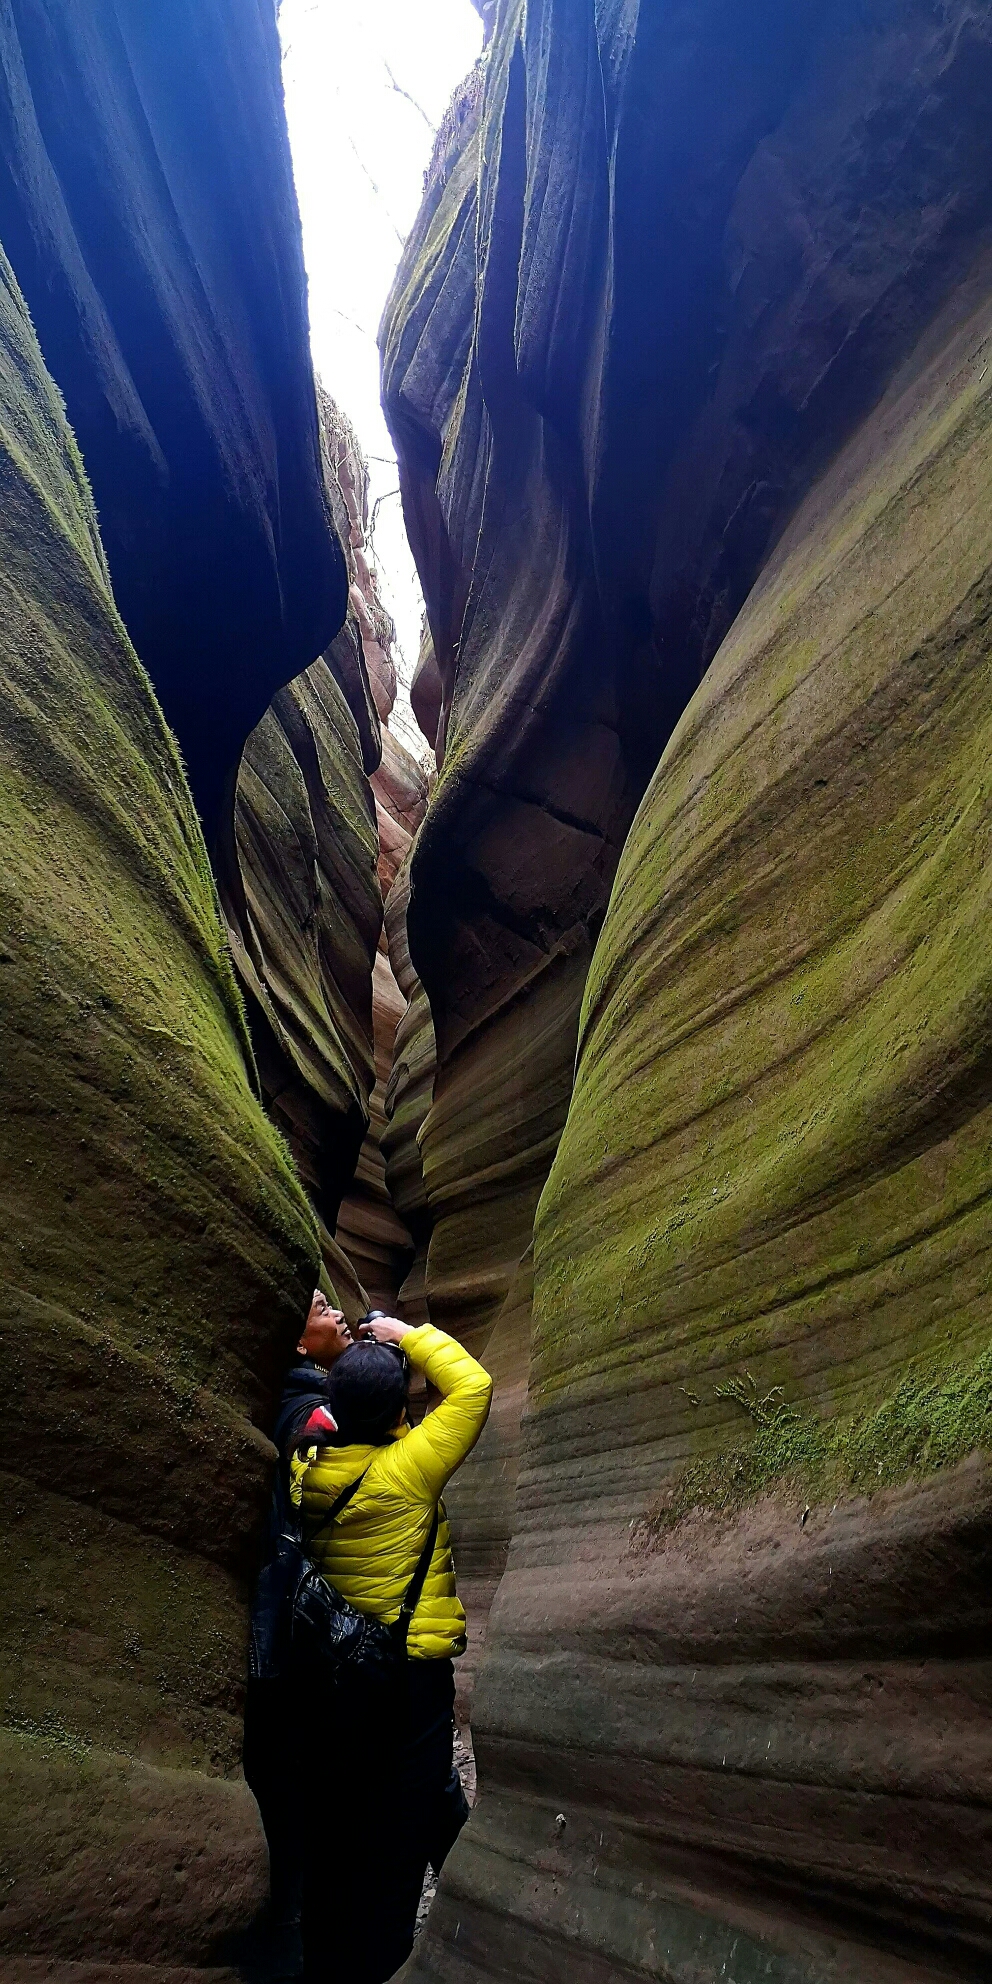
372,1228
158,1247
688,364
327,802
148,208
407,1099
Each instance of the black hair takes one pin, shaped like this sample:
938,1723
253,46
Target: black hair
368,1388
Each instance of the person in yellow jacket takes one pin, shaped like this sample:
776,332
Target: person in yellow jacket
391,1782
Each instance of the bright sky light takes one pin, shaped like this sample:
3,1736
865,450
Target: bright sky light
360,149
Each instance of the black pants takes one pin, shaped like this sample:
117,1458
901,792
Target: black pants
274,1765
386,1803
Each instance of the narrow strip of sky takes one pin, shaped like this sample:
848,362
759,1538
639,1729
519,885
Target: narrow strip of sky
367,82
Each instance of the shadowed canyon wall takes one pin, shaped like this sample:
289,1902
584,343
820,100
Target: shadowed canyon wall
157,1251
327,802
148,208
688,365
158,1247
372,1227
407,1099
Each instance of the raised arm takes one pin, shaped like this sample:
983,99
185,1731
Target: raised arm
429,1455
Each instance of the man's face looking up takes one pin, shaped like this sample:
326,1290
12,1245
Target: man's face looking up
326,1333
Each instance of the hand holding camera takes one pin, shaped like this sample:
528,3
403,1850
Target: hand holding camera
377,1327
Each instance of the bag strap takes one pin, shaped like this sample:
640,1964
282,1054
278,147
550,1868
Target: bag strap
340,1502
416,1584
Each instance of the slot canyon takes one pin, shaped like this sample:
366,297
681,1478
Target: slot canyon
634,1027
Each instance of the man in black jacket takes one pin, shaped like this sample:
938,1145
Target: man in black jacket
272,1721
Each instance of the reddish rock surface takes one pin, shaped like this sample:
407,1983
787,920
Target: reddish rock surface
369,1232
158,1249
328,801
696,300
156,1255
406,1101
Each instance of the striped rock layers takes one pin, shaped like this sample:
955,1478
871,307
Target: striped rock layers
327,803
156,1247
148,208
371,1235
686,362
743,1639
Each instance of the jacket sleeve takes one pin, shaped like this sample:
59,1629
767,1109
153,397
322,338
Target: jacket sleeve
305,1394
429,1455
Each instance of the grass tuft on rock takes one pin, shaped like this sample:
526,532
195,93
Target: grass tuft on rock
930,1421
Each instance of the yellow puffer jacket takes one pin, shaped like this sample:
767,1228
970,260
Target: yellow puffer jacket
370,1552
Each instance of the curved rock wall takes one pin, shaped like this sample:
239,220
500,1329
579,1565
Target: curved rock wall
373,1227
327,803
148,208
305,932
301,890
743,1639
371,1238
516,856
157,1253
672,264
407,1099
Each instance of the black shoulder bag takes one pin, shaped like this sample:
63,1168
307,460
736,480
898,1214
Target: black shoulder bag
329,1633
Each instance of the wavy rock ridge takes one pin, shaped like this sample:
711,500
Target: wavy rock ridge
158,1248
372,1228
327,804
776,1163
689,362
147,205
139,1358
686,362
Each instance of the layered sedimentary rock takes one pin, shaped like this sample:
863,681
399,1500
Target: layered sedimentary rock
147,205
369,1231
372,1229
372,1232
373,1226
407,1099
700,299
517,853
301,889
761,1312
304,913
157,1252
327,804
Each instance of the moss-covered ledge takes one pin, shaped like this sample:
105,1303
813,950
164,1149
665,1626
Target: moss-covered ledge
933,1419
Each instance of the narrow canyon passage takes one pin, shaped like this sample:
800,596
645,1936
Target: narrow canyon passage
595,968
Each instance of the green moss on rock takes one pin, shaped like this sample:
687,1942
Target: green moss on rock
156,1249
933,1419
777,1154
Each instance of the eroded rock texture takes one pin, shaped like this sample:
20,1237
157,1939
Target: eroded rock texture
374,1227
699,297
157,1250
761,1294
147,205
407,1099
327,804
302,897
304,912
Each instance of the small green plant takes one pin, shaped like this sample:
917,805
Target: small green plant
771,1410
933,1419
